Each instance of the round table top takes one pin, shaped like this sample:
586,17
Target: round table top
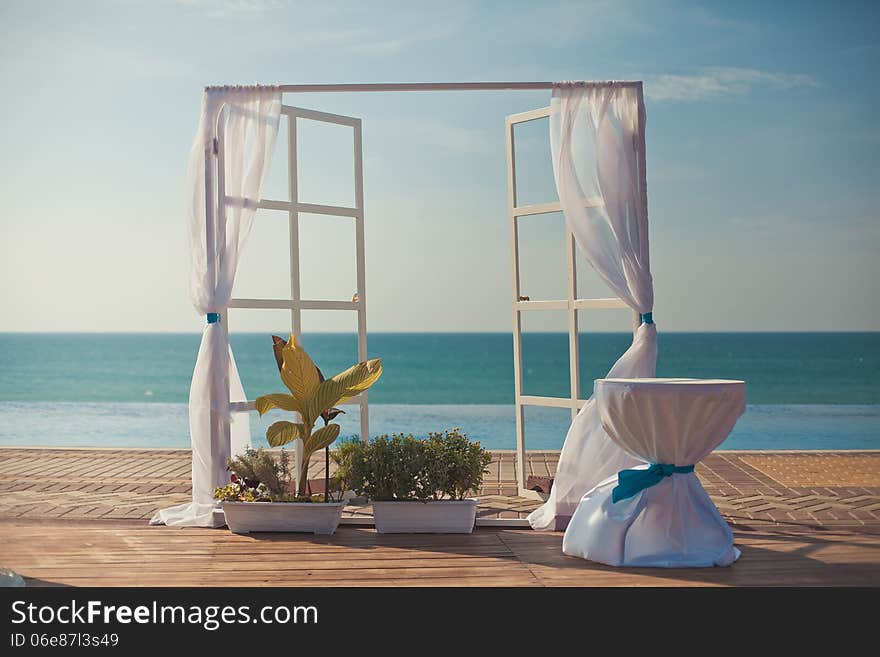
675,421
670,383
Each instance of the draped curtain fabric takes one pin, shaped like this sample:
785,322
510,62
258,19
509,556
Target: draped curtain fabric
595,142
244,121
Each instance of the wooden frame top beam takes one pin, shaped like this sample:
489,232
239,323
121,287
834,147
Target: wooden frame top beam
420,86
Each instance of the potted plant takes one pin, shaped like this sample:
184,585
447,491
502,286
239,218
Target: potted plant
261,497
264,495
417,486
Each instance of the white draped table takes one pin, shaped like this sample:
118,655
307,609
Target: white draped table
658,514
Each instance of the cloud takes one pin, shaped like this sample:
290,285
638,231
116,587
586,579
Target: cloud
703,17
366,41
765,221
232,8
715,83
577,21
392,45
61,57
418,25
678,173
858,231
438,134
358,32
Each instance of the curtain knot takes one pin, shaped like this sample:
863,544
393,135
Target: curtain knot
632,482
647,318
213,318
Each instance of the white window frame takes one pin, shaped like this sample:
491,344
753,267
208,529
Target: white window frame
572,304
296,304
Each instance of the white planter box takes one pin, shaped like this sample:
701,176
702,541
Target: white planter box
433,517
315,517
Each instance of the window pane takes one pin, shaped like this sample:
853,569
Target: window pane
264,269
605,334
545,353
276,187
534,166
543,266
325,164
328,257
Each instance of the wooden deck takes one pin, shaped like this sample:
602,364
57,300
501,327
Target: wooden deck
77,517
129,553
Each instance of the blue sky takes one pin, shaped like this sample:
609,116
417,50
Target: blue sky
762,158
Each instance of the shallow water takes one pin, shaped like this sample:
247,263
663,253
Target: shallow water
442,368
166,425
805,390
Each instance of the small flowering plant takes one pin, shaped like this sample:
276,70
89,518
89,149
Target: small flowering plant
238,491
256,476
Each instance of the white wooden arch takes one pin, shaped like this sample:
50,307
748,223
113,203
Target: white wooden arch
295,304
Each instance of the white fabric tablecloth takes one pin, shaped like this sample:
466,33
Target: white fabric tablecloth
673,523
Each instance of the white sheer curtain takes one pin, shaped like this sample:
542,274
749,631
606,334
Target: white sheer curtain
596,141
244,121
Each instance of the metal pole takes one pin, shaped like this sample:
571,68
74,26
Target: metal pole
327,473
517,315
643,175
224,429
360,248
213,424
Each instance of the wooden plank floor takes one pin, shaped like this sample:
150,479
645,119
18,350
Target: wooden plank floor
100,552
77,517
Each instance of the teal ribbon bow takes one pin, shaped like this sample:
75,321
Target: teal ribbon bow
631,482
647,318
213,318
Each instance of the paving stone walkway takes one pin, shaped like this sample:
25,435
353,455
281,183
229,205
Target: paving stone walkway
813,489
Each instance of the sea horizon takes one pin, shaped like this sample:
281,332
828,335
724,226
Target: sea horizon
499,332
805,390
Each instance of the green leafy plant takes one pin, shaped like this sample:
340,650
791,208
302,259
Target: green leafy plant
342,458
312,397
386,468
444,466
455,464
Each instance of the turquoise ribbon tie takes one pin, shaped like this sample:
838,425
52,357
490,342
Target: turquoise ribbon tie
632,482
213,318
647,318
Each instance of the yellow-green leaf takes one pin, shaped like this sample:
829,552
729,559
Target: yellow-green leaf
327,396
360,377
345,385
281,433
285,402
299,372
321,439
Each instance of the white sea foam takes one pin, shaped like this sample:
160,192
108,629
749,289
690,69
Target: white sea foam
166,425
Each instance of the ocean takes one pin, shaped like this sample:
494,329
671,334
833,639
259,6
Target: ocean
804,390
